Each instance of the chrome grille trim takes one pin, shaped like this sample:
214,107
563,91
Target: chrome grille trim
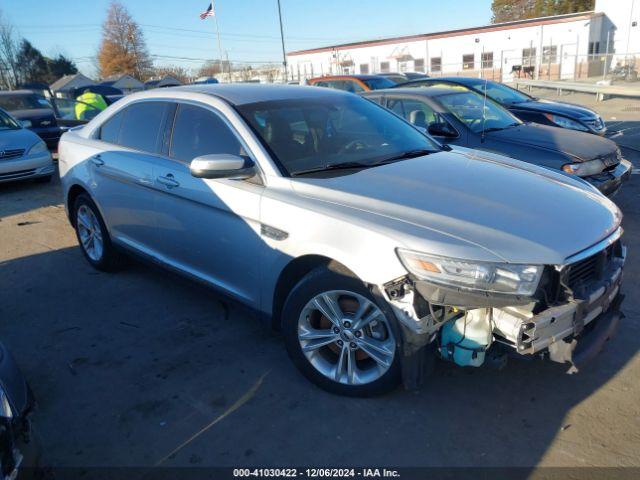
11,153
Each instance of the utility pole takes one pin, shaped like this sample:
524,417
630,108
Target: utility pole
284,53
220,56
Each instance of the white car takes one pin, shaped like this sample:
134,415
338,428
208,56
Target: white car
23,155
372,246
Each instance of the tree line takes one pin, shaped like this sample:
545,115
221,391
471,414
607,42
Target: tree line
21,62
511,10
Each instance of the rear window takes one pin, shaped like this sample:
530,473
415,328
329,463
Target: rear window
23,102
111,128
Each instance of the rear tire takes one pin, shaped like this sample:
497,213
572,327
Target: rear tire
340,336
93,236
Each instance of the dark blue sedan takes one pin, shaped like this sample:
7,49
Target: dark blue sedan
458,116
526,107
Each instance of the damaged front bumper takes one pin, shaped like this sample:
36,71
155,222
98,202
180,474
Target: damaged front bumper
572,328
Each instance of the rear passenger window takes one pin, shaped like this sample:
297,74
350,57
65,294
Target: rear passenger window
198,131
110,129
141,126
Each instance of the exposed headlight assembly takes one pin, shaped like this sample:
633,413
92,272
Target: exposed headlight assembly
565,122
505,278
584,169
39,147
5,408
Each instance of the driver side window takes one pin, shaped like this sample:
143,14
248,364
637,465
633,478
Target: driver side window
198,131
422,115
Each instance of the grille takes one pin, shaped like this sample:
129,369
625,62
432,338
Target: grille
17,174
6,154
590,269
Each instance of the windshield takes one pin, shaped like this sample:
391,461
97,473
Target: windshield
315,134
502,94
23,102
468,107
7,123
379,83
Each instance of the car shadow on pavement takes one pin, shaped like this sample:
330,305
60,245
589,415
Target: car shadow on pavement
23,196
129,366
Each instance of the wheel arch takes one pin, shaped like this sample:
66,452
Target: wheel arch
292,273
74,191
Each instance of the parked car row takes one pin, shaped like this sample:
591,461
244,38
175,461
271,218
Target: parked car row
371,245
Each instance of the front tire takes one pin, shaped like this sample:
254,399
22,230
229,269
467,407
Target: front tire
340,336
93,236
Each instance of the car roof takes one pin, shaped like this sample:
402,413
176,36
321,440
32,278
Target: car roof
466,81
242,94
415,92
358,76
16,92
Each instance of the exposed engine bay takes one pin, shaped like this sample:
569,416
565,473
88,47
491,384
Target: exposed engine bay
573,313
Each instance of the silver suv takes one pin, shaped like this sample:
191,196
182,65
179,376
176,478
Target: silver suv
370,245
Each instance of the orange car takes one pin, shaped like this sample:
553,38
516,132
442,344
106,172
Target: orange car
353,83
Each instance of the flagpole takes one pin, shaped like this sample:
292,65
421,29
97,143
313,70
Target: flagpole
284,53
215,20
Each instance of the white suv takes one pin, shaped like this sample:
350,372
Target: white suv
372,246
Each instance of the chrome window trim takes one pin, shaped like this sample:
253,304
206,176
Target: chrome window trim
592,250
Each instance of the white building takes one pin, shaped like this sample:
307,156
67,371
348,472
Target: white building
572,46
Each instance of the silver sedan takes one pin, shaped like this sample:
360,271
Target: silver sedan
23,155
368,243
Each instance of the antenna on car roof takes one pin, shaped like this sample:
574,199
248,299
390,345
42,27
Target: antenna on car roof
484,110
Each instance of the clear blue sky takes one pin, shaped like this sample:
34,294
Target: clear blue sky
249,28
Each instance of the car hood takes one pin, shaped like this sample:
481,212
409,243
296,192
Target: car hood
22,138
471,205
582,146
560,108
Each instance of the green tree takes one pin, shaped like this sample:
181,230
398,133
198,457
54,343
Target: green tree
61,66
33,65
511,10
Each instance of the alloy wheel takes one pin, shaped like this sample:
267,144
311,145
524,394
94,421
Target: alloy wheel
90,233
346,337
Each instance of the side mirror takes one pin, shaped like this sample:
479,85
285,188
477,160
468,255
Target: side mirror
441,130
26,123
222,165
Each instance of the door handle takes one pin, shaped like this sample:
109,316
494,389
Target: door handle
168,181
97,160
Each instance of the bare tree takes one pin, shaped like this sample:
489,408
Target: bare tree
174,71
123,49
9,66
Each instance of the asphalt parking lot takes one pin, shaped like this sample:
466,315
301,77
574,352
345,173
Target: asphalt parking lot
143,368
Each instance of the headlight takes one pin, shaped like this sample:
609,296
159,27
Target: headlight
565,122
584,169
39,147
504,278
5,408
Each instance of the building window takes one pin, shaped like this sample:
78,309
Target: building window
487,60
529,57
418,64
364,68
468,62
550,54
384,67
436,64
594,48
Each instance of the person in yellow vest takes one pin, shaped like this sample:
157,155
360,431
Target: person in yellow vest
91,104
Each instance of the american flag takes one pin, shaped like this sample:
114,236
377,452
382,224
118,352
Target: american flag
208,12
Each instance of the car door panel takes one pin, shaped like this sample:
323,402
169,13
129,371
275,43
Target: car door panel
209,228
123,176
